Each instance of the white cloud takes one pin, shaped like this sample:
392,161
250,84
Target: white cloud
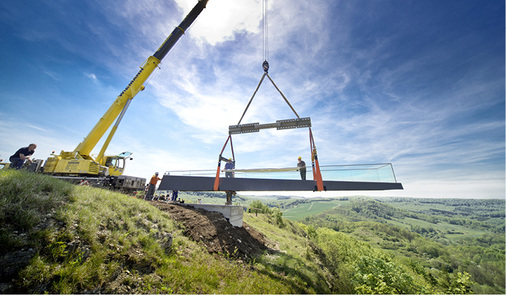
221,20
53,75
201,107
91,76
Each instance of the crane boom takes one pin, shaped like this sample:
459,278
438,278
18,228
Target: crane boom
136,85
79,162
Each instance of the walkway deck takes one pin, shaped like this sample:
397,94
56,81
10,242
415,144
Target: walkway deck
196,183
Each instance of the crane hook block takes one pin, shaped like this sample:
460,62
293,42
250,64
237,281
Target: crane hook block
265,65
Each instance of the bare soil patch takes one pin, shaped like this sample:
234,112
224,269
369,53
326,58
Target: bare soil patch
215,232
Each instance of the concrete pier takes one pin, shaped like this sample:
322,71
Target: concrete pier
233,214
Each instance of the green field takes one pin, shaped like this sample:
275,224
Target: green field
312,208
449,231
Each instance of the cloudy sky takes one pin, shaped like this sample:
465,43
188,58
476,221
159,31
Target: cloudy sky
420,84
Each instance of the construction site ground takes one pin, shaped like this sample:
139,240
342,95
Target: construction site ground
215,232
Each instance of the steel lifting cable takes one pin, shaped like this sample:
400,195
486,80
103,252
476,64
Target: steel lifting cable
256,90
254,93
286,100
266,35
265,65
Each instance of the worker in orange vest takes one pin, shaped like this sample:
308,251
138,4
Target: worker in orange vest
152,186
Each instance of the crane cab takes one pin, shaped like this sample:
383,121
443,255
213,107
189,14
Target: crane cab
116,163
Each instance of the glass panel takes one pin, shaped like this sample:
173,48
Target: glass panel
382,172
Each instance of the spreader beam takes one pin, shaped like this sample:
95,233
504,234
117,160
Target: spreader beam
279,125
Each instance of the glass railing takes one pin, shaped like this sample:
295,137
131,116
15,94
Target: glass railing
382,172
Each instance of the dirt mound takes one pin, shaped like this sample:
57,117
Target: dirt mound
215,232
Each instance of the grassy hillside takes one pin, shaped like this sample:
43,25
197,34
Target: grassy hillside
61,238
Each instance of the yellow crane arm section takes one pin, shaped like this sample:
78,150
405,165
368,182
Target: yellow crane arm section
136,85
86,146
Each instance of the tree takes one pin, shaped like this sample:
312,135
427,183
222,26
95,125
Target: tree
258,207
278,217
381,276
460,284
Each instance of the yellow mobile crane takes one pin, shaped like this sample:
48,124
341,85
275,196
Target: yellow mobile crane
79,163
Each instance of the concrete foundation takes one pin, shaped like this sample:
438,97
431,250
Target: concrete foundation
232,213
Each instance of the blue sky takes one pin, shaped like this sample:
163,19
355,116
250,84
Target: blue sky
420,84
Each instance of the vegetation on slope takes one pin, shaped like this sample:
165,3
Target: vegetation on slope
440,249
61,238
346,264
88,240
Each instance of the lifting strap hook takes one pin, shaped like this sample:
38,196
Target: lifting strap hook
265,65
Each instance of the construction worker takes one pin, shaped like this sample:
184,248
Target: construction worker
301,166
229,197
229,166
152,186
18,158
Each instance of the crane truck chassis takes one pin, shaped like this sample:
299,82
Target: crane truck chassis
108,170
122,183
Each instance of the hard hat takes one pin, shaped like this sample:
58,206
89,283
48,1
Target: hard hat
156,173
300,157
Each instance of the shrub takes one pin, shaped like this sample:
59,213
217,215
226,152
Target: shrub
381,276
258,207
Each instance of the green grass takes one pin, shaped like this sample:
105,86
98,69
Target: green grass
91,240
311,208
294,260
26,201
